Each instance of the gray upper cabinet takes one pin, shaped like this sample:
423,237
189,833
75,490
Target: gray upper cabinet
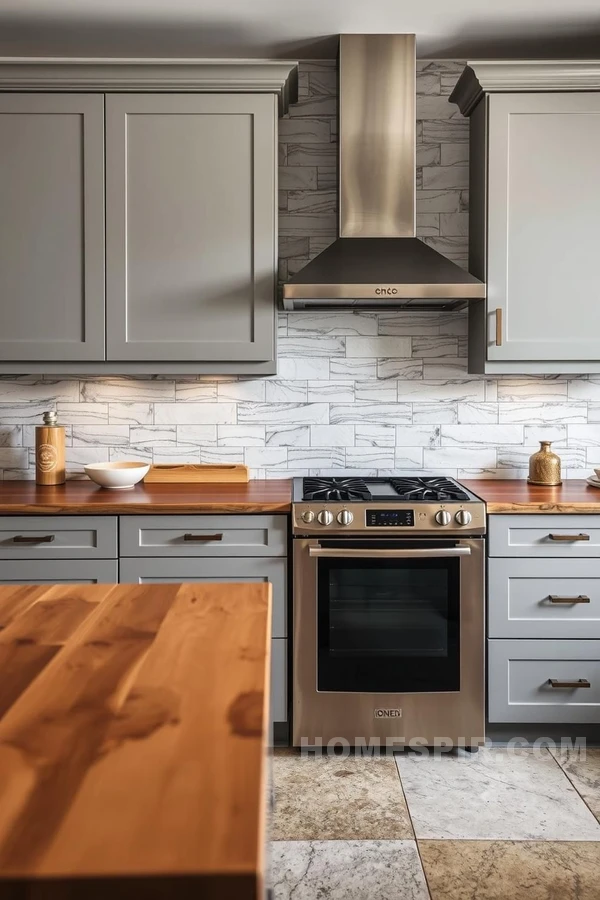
176,163
534,229
51,227
190,223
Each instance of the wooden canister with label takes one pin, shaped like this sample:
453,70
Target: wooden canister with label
50,451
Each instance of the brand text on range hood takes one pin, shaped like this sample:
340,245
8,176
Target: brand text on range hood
377,261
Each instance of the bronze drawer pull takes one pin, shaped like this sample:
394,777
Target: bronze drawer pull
569,537
580,683
554,598
498,326
203,537
32,539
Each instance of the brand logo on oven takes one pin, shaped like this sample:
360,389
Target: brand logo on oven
387,713
390,291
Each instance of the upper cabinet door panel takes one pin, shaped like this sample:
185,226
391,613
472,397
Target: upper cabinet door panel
191,219
544,226
51,227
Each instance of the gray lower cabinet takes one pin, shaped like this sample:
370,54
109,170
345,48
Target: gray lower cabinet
544,619
58,537
51,227
59,571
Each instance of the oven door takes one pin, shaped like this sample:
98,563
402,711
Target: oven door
388,615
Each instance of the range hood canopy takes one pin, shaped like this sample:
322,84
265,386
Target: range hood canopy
377,261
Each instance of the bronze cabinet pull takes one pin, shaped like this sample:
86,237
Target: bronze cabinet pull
498,326
580,683
581,598
33,539
569,537
203,537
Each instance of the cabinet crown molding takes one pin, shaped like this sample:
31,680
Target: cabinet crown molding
269,76
506,76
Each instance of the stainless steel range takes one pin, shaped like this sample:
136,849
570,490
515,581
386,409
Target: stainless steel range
388,611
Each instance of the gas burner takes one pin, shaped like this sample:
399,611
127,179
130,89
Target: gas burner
341,489
439,489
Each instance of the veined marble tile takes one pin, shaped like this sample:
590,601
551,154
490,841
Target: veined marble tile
446,131
447,369
518,457
434,413
284,413
376,389
132,451
293,178
195,413
370,347
373,435
495,794
539,390
407,322
12,435
454,224
288,435
439,201
323,105
17,474
333,435
584,389
417,436
203,435
347,870
593,413
83,413
491,390
175,454
455,154
134,389
78,457
14,457
428,223
196,390
243,390
313,457
312,203
308,153
459,435
319,345
128,413
453,457
491,472
35,387
427,83
519,870
408,458
222,455
335,323
266,457
581,435
100,435
405,369
162,436
335,799
434,345
236,435
370,457
304,368
530,413
428,155
300,130
432,107
326,391
477,413
360,412
583,771
353,369
28,413
445,177
417,391
278,391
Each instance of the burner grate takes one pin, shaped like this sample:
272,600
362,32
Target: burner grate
340,489
428,488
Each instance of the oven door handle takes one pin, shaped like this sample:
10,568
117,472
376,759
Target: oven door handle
418,553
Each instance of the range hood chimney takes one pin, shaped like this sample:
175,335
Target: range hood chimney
377,262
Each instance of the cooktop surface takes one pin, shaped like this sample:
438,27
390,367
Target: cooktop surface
426,489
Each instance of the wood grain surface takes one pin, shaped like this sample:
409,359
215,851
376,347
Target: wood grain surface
86,498
132,763
516,496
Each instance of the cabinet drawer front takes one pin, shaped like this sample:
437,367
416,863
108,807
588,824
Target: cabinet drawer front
279,696
59,571
194,536
156,571
555,535
544,598
58,537
519,686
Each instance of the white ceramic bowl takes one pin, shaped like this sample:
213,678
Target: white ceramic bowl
117,475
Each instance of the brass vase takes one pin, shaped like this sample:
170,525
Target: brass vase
544,466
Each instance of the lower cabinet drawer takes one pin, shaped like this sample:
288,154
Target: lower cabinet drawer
55,571
58,537
544,598
521,676
554,536
279,692
164,570
203,535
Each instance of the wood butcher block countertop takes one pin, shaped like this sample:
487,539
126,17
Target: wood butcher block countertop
133,732
86,498
516,496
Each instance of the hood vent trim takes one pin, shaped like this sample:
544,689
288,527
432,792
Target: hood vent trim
377,262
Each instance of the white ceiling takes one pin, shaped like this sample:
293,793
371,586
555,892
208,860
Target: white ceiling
297,28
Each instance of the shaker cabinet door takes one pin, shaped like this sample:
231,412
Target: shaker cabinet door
190,222
543,226
51,227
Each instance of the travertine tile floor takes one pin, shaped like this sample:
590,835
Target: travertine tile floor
491,826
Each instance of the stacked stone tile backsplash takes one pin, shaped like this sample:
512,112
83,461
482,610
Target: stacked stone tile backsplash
364,392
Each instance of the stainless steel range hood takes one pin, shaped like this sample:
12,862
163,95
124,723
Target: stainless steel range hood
377,262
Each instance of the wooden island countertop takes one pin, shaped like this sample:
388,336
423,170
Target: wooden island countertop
86,498
133,733
516,496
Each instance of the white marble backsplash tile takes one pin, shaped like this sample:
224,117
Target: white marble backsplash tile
371,393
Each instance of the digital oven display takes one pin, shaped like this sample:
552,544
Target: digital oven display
381,518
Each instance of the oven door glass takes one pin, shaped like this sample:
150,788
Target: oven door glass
388,625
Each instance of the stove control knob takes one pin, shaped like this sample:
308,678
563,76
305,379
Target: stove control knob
308,516
463,517
443,517
325,517
345,517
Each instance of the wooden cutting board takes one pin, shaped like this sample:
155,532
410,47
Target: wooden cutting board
223,473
